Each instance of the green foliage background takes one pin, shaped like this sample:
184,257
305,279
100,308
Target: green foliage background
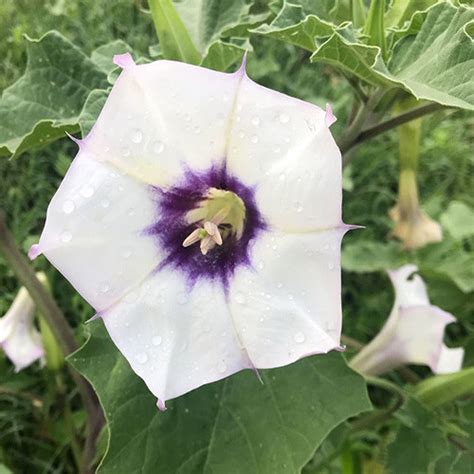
33,437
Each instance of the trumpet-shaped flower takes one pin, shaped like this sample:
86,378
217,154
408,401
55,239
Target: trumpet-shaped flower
202,219
413,333
19,337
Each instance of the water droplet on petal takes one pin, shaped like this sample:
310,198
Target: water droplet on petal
240,298
158,147
105,203
66,236
282,177
221,367
126,253
137,135
256,121
299,337
183,298
261,265
254,139
125,151
141,357
279,285
104,287
298,206
284,118
156,340
87,191
331,266
68,207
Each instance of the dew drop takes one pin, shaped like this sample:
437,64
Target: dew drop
66,236
261,265
276,149
126,253
105,203
284,118
282,177
104,287
299,337
279,285
87,191
68,207
137,135
182,298
187,117
142,357
221,367
125,151
241,134
298,206
156,340
254,139
331,266
158,147
256,121
240,298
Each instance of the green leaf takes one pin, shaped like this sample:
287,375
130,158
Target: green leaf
358,13
92,107
103,55
458,220
419,443
175,41
401,11
432,61
47,100
221,55
437,63
370,256
236,425
208,20
292,25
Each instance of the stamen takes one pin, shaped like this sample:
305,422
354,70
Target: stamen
192,238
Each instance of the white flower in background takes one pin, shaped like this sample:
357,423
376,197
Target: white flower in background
201,218
413,333
19,337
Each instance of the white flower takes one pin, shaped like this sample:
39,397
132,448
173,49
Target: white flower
413,333
202,219
19,337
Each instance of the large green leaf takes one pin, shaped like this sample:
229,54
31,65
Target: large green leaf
458,220
233,426
419,443
294,26
92,107
433,60
47,100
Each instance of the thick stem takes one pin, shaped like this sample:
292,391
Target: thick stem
383,127
56,321
380,416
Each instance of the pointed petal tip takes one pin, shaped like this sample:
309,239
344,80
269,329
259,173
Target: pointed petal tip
96,316
124,61
349,227
341,348
77,141
161,405
243,66
34,251
330,117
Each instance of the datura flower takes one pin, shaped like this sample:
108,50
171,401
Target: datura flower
413,333
201,218
19,337
412,225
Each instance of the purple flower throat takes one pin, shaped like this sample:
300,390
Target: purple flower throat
171,227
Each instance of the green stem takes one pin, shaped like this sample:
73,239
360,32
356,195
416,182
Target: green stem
359,121
380,416
345,145
56,321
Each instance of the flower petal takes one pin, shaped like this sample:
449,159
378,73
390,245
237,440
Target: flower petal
284,147
162,116
18,337
174,337
408,291
94,231
288,305
449,360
